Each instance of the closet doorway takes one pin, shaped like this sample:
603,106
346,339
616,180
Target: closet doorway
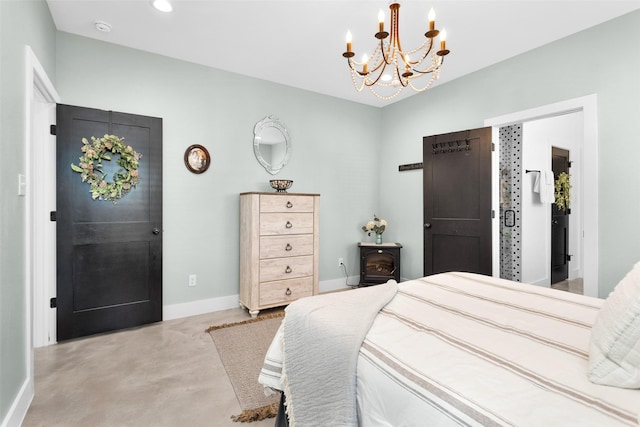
533,260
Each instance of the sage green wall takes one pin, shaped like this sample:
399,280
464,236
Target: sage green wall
604,60
334,154
22,23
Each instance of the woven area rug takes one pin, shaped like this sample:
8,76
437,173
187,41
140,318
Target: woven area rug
242,347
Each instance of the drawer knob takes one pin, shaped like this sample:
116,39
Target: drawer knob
288,247
288,270
289,204
288,292
288,224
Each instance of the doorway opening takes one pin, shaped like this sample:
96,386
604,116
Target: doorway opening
41,99
534,259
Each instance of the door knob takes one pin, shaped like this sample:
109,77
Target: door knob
427,225
156,231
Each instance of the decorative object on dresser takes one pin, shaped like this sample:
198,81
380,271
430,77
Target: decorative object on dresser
379,262
279,248
281,185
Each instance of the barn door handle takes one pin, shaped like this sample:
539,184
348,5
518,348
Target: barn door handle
156,231
427,225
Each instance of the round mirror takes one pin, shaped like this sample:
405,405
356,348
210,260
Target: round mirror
271,144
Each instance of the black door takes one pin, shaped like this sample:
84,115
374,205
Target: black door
109,256
559,223
457,202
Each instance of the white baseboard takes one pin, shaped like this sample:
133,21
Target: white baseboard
20,406
337,284
193,308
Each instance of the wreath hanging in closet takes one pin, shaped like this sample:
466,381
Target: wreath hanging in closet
91,172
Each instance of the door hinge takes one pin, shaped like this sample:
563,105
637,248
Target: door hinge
569,257
53,302
493,147
569,164
493,214
53,216
53,129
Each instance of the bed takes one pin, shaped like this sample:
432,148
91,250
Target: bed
457,349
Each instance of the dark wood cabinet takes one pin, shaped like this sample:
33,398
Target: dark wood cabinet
379,263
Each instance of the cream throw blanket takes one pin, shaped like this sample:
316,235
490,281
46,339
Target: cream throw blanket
321,340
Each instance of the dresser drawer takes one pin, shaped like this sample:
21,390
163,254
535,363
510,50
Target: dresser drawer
274,203
286,246
286,223
285,268
285,291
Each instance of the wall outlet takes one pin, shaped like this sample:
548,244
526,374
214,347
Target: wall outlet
340,262
192,280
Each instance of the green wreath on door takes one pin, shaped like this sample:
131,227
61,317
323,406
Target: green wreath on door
90,167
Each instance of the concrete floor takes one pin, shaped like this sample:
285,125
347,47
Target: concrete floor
164,374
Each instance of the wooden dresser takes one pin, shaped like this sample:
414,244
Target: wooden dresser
279,249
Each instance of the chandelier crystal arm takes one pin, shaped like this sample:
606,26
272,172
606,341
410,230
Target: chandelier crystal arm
369,82
429,70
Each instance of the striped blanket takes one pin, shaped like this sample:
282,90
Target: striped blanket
466,349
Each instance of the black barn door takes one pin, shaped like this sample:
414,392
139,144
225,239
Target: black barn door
559,223
109,256
457,202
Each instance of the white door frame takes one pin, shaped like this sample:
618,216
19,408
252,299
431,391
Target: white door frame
589,107
41,99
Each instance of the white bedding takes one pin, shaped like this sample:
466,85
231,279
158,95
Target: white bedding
465,349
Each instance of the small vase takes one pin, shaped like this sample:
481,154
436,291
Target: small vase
378,239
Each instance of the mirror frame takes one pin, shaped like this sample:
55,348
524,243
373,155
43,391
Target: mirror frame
271,122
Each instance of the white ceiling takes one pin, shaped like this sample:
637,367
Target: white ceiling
300,43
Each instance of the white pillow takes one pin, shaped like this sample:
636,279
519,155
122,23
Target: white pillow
614,352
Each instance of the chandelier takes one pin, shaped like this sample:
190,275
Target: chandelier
390,68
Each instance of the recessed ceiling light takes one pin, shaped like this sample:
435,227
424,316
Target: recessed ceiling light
162,5
103,26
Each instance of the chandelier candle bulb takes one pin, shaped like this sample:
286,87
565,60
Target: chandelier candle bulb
348,53
365,65
443,39
380,21
432,20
